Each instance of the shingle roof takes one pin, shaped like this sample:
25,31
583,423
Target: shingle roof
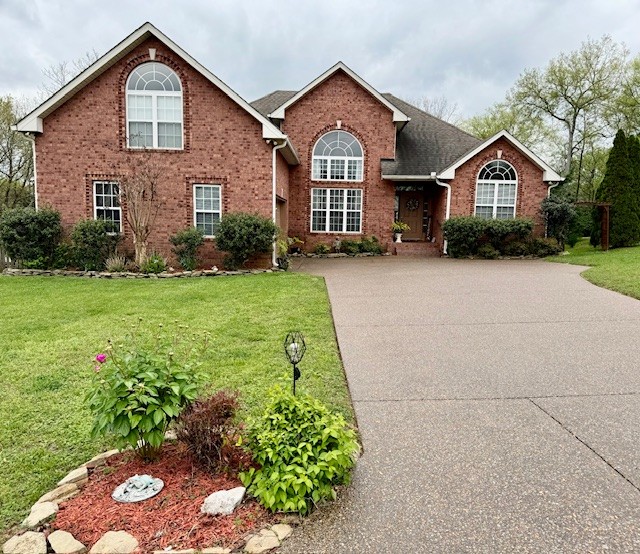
273,100
426,143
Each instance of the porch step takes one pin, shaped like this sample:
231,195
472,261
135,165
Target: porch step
416,249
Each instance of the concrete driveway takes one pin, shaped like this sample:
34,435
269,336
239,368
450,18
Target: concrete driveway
499,406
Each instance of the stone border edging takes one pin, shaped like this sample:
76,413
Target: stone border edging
338,255
14,272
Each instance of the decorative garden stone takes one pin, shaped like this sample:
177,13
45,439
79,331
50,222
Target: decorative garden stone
79,475
282,531
137,489
115,542
100,459
40,513
223,502
63,542
60,494
263,542
27,543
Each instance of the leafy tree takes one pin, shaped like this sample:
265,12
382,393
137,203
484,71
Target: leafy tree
617,188
559,214
14,195
16,156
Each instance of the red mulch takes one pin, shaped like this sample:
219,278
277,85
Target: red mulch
172,518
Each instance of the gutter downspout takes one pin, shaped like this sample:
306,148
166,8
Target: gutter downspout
273,197
447,210
31,138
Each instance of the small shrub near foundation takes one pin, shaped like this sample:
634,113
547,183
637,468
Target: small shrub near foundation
322,249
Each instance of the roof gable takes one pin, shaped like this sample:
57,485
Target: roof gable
279,112
548,173
32,122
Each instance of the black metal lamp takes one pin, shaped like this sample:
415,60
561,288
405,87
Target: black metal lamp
294,348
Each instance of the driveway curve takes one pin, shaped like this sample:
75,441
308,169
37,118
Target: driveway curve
499,406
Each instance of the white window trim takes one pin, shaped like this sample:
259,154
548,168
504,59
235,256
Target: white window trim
344,214
346,159
115,208
154,113
219,212
496,183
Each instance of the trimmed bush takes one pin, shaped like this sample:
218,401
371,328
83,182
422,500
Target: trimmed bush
303,451
244,235
185,247
93,243
155,263
350,246
559,215
542,247
30,237
321,249
488,252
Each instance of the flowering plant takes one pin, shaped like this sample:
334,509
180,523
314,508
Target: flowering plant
142,384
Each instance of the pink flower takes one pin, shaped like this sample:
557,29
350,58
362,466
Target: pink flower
101,358
97,369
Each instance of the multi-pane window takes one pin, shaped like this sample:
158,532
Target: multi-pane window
154,107
336,210
207,208
496,191
106,204
337,156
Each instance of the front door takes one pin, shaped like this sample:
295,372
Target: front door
411,212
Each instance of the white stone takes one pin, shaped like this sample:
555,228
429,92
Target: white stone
171,435
263,542
40,512
216,550
223,502
282,531
63,542
60,494
115,542
27,543
100,459
80,474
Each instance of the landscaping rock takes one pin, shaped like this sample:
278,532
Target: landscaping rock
262,542
40,512
282,531
171,435
100,459
60,494
223,502
64,543
78,475
216,550
115,542
27,543
188,551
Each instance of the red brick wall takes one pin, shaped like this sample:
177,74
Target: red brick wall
85,139
340,98
282,190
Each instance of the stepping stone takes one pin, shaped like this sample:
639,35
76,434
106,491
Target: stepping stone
27,543
64,543
100,459
40,512
60,494
115,542
263,542
223,502
78,476
282,531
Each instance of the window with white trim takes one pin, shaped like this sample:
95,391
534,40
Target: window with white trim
336,210
154,107
106,204
337,156
207,208
496,190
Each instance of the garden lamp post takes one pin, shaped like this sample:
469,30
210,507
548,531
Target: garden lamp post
294,348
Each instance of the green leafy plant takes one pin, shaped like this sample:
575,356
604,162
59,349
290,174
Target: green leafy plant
488,252
302,450
207,426
244,235
155,263
559,214
371,244
465,234
142,384
322,249
283,245
349,246
93,242
542,247
399,227
185,246
30,237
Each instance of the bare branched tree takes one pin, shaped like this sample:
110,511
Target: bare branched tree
438,106
59,74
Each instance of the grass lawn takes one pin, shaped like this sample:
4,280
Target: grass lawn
52,327
617,269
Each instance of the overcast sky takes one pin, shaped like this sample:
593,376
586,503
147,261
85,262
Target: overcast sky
470,51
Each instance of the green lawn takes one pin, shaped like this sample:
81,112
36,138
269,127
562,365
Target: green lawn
52,327
617,269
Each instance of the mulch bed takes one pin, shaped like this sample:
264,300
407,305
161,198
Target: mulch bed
170,519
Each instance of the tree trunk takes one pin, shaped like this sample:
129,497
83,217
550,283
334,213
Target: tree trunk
141,250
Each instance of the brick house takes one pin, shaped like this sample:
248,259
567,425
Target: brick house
334,159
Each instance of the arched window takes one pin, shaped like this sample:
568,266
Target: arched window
154,107
496,190
337,156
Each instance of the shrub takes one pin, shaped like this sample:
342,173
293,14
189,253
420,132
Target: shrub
185,246
116,263
516,248
303,450
558,214
462,234
93,242
207,426
30,237
501,231
63,256
544,247
244,235
322,249
488,252
349,246
371,245
155,263
142,384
